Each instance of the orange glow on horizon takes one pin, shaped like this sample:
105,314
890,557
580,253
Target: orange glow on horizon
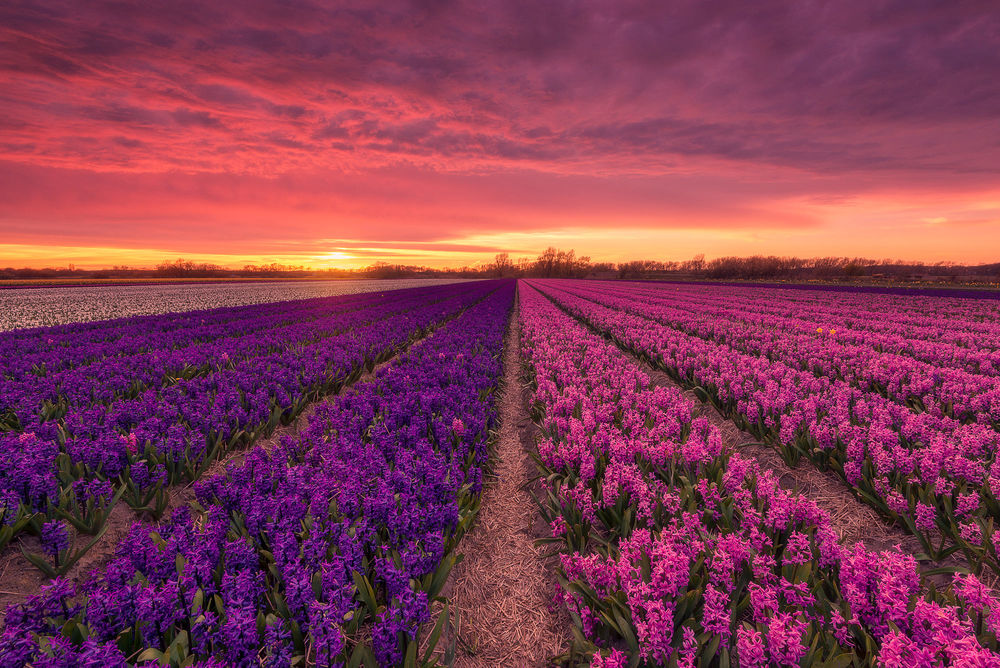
890,230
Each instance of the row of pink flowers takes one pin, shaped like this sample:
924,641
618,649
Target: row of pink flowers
837,345
675,550
933,329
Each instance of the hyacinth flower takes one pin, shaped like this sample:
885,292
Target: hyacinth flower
87,504
144,488
293,557
694,556
59,551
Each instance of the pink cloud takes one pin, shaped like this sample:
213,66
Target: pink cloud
390,203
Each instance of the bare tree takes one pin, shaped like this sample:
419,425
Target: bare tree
502,265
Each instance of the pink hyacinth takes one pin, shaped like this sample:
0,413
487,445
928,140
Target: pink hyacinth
617,659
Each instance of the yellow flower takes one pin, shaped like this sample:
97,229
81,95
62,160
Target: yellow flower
833,331
819,329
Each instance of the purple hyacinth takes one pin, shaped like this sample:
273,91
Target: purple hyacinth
54,537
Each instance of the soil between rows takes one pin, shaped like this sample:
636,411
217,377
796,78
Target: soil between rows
503,588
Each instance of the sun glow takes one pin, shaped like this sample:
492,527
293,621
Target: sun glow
334,256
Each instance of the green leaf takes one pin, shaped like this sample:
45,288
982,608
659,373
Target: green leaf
197,601
362,655
151,654
441,574
436,633
365,592
839,661
39,562
627,632
710,650
410,660
317,585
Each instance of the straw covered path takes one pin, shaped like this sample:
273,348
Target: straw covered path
502,589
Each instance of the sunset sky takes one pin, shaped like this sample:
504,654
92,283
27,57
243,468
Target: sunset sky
440,133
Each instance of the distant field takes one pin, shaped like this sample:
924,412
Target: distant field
903,289
41,306
77,282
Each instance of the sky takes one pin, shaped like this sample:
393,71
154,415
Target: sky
440,133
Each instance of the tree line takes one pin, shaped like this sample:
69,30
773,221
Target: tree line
556,263
559,263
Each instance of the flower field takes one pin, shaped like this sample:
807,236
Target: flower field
125,409
295,527
678,552
335,543
852,390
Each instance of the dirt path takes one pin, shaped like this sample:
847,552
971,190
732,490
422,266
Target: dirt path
502,589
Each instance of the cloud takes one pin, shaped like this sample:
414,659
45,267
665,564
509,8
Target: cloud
198,117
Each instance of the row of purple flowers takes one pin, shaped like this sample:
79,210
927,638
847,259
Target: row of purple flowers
76,372
326,550
74,468
43,350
